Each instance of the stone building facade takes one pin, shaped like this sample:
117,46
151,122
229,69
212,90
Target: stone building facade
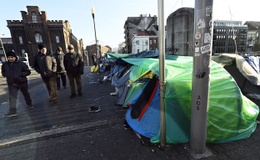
228,36
253,36
35,28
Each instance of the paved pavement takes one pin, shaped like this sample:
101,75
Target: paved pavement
68,131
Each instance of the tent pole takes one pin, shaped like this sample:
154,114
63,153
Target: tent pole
161,41
203,24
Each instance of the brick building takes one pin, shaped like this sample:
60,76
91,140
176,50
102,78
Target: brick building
35,28
92,50
138,27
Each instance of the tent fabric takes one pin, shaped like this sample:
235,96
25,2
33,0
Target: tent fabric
231,115
122,88
247,85
246,68
254,63
149,123
143,101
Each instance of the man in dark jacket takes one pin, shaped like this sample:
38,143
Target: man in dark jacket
61,72
15,72
46,65
74,66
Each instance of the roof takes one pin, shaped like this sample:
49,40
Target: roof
253,25
7,40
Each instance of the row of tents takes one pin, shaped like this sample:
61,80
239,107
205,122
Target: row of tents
233,98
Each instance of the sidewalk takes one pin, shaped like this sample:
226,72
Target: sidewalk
68,112
68,131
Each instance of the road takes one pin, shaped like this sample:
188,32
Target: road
68,131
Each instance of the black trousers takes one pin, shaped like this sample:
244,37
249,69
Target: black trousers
13,93
61,77
72,78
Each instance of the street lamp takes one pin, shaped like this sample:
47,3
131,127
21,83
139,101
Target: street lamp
2,51
98,53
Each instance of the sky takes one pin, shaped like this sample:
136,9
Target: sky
110,15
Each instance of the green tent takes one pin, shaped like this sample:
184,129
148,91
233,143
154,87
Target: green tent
231,115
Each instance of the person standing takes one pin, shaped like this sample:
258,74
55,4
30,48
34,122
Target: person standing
61,72
74,66
16,73
46,65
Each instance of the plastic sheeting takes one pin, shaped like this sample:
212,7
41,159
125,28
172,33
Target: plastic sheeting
231,115
249,71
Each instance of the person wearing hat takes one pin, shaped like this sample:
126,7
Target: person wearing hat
61,72
74,66
16,73
45,64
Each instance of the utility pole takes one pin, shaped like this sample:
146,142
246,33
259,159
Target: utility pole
2,51
203,24
162,71
98,55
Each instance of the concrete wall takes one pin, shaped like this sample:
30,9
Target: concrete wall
179,31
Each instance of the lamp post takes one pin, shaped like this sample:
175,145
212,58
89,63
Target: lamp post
2,51
98,53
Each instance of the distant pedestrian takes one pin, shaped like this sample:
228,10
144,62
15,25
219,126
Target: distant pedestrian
16,73
74,66
61,72
46,65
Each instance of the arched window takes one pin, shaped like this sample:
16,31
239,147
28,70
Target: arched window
38,38
34,17
57,38
20,40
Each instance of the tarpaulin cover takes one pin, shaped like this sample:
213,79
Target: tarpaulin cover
231,115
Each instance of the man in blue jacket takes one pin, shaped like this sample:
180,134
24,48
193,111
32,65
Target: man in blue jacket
16,73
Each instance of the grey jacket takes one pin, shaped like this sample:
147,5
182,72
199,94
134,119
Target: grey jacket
45,65
60,62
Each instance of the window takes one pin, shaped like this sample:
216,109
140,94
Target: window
57,38
38,38
146,42
137,42
20,40
34,17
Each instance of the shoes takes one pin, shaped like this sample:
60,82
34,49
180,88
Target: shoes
53,101
30,106
10,114
80,94
94,109
72,96
64,87
114,94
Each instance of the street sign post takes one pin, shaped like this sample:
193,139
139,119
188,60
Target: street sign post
201,74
